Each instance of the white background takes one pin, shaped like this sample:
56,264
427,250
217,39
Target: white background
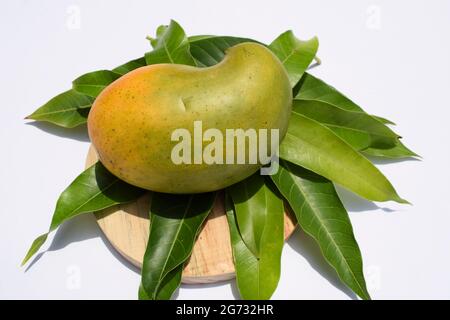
391,57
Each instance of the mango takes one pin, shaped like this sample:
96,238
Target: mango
132,121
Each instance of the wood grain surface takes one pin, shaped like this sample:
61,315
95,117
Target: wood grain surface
126,227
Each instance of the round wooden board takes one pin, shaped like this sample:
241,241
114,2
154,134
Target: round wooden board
126,227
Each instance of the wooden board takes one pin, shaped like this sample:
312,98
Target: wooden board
126,227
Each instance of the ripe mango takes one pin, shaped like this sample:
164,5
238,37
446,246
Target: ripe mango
131,122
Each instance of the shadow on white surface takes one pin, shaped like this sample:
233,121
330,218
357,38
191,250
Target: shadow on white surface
230,283
81,228
79,133
354,203
307,248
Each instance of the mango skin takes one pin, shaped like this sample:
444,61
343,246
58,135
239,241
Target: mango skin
131,121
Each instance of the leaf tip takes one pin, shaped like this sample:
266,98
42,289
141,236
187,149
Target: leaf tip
315,39
37,243
413,154
402,201
26,259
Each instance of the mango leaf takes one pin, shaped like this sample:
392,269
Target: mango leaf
312,88
201,37
171,46
68,109
315,147
296,55
321,214
399,151
94,189
142,295
210,50
175,221
159,33
130,66
93,83
253,202
358,129
257,276
71,108
384,120
169,285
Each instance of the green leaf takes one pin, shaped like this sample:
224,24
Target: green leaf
399,151
296,55
315,147
210,50
159,33
93,83
37,243
142,295
94,189
169,285
69,109
253,202
172,46
257,276
312,88
358,129
200,37
175,221
130,66
321,214
384,120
